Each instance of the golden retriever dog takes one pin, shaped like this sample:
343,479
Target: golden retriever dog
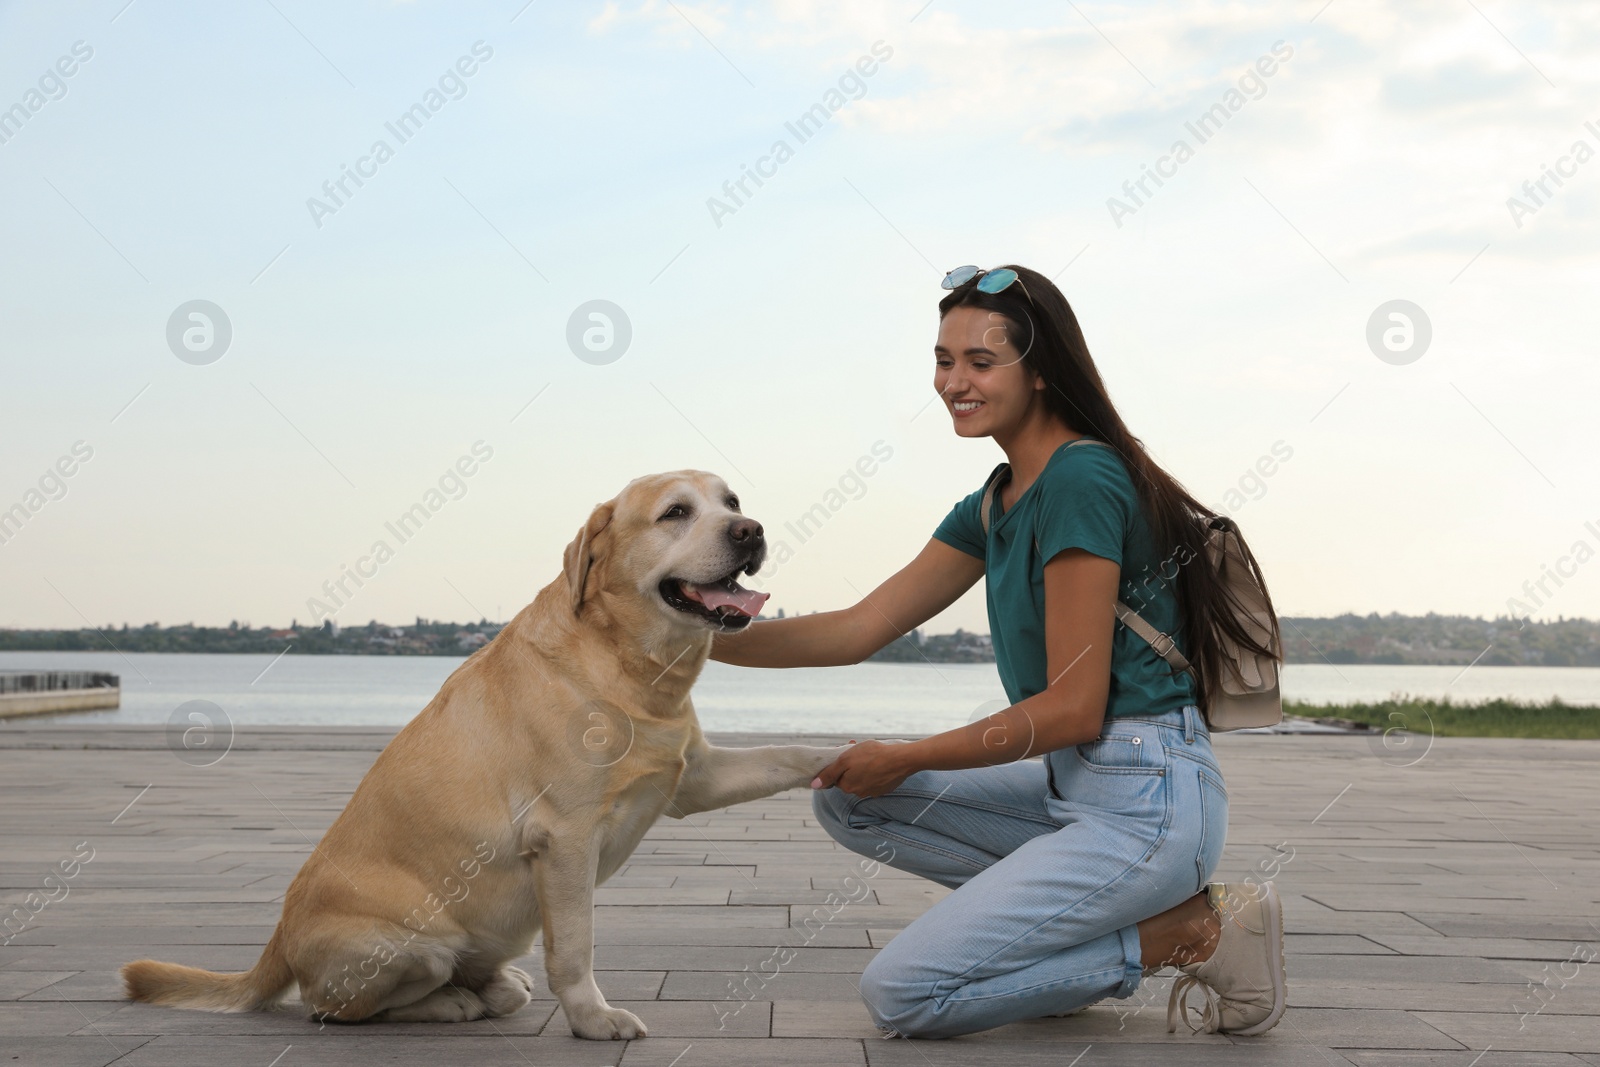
527,781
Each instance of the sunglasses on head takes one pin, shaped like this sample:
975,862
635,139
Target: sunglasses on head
989,281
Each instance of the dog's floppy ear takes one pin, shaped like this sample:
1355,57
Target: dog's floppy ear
584,550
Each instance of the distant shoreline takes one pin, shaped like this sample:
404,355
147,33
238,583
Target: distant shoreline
1389,640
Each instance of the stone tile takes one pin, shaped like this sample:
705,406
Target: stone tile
690,1018
813,898
786,985
701,895
291,1024
147,936
1402,968
737,1052
640,881
1319,920
1546,1032
1491,1058
1533,927
726,959
1334,945
345,1046
15,985
49,1019
66,1051
1355,1028
980,1052
793,1017
1502,948
1395,900
769,917
85,957
747,936
616,985
1431,996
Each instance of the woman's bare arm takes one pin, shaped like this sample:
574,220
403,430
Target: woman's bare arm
910,597
1080,590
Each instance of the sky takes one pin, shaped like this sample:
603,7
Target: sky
252,363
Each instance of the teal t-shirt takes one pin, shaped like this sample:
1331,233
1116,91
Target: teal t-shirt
1084,499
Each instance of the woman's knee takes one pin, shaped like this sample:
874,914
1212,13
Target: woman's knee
896,987
888,996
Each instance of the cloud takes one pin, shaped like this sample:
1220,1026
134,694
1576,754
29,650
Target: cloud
1462,85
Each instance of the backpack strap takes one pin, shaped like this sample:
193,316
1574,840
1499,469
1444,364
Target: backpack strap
1163,644
988,494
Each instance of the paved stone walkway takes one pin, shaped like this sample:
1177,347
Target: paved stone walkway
1442,901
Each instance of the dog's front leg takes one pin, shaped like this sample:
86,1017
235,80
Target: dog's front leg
714,778
565,876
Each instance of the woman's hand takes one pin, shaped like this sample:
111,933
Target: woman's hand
868,769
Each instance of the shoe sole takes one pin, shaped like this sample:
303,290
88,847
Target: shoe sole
1273,906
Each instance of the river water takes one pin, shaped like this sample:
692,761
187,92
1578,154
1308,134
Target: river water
870,698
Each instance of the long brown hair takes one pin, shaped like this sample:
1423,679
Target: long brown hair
1047,333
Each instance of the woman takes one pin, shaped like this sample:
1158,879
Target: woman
1076,876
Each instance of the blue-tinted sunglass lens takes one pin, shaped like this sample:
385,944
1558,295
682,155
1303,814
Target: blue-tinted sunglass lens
996,280
958,277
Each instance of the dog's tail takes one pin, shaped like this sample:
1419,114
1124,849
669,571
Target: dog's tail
177,986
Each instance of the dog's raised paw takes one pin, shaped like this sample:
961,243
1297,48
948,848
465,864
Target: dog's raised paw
608,1024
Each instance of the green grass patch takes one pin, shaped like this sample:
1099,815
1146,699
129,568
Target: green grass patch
1448,718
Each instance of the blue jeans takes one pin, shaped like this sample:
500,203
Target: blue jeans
1053,864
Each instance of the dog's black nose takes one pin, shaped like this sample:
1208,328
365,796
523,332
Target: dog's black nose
746,532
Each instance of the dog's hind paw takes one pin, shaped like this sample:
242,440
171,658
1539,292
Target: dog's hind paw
607,1024
446,1004
510,991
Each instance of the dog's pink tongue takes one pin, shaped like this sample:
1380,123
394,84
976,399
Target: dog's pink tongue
716,595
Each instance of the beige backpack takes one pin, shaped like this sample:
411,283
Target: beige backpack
1247,694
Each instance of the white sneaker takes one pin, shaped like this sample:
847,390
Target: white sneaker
1243,983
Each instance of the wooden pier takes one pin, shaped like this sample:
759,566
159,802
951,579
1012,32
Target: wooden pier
50,692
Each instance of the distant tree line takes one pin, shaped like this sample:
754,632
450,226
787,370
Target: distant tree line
959,647
424,637
1463,639
1396,639
1399,639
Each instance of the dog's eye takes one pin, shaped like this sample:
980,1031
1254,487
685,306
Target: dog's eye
676,511
733,502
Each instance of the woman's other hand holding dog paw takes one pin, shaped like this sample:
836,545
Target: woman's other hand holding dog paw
868,769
